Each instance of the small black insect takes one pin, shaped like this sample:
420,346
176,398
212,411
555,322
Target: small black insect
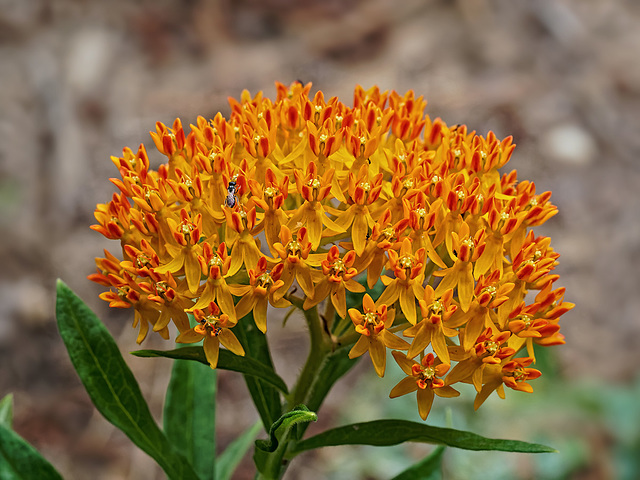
231,199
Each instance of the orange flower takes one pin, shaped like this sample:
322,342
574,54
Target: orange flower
294,254
431,330
334,191
424,378
244,251
384,237
362,192
313,190
407,286
262,288
271,199
373,326
215,329
216,265
336,277
460,275
490,349
185,256
514,374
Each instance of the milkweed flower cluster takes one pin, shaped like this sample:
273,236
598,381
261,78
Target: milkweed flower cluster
311,196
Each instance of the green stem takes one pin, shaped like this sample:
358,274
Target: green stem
320,347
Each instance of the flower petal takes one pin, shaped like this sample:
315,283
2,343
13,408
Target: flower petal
404,386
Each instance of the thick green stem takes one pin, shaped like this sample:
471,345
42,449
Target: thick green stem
320,347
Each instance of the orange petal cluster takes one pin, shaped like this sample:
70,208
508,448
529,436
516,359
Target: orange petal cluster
308,195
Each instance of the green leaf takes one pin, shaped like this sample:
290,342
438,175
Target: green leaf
300,414
430,468
268,453
227,462
20,461
110,383
392,432
190,415
226,361
264,394
6,410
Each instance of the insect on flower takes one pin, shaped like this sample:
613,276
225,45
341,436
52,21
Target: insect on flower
231,198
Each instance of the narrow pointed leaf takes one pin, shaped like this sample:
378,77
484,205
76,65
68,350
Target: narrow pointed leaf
6,410
110,383
20,461
430,468
392,432
227,462
226,361
190,414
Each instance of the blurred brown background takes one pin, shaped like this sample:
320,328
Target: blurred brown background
80,79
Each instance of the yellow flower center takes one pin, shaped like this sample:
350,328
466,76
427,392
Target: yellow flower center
338,267
526,319
491,347
265,280
436,308
142,260
407,261
388,233
161,288
270,192
491,290
215,261
186,228
210,325
371,318
293,248
314,183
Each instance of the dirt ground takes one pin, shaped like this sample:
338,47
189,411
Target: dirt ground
83,78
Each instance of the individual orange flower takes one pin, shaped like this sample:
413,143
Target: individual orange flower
431,330
262,288
362,193
215,265
407,286
336,277
373,325
489,294
215,329
244,251
514,374
294,253
490,349
163,291
271,199
185,256
311,214
460,275
384,236
424,378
